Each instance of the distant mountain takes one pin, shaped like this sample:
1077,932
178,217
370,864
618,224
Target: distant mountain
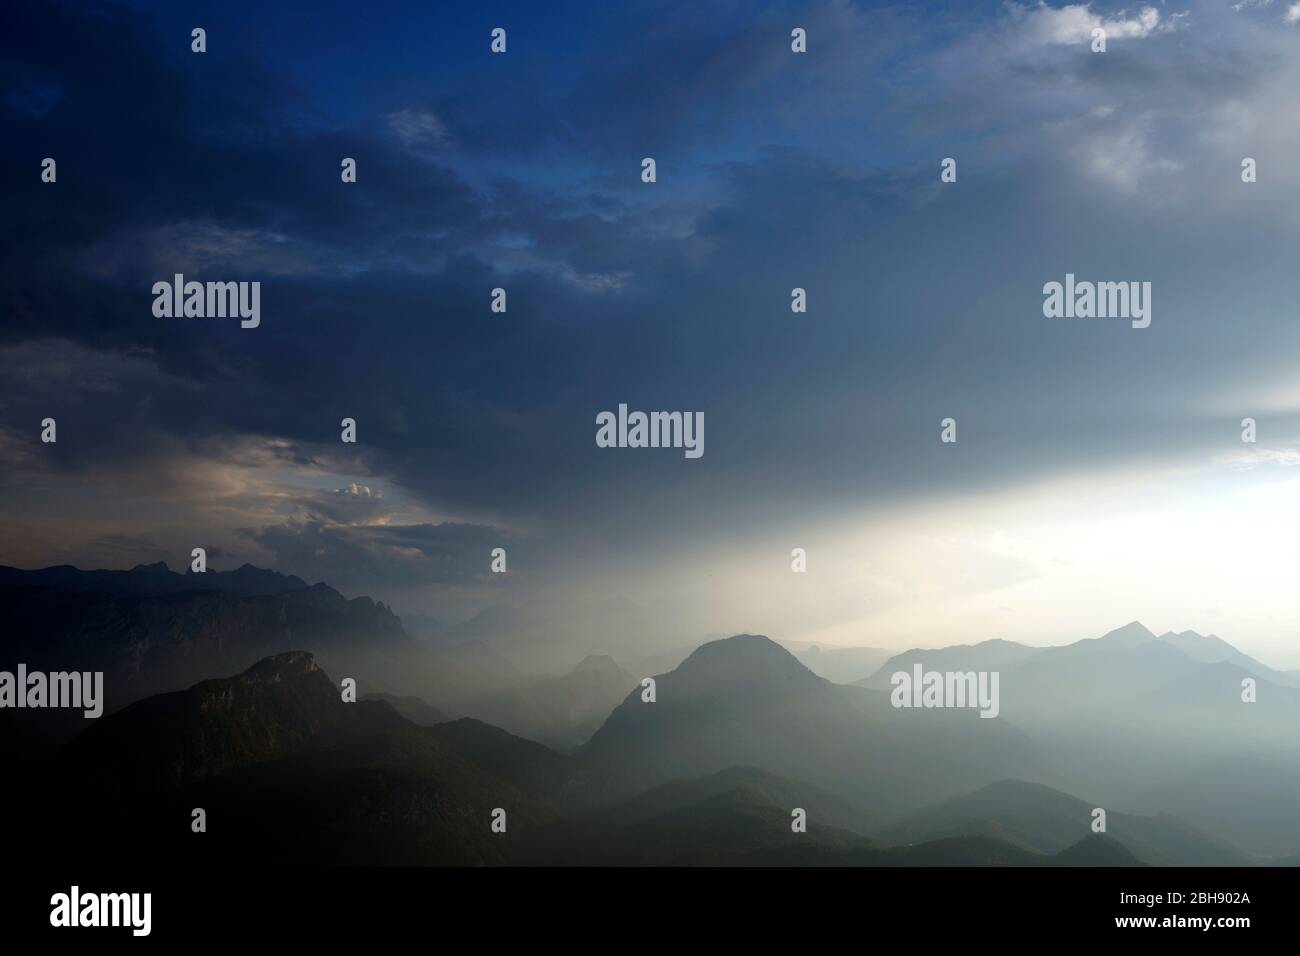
1126,711
739,733
1211,649
547,643
747,701
991,655
956,851
562,712
665,661
153,580
422,626
1046,821
1130,710
451,674
974,851
702,821
1131,635
841,665
148,643
152,631
1248,798
491,625
412,708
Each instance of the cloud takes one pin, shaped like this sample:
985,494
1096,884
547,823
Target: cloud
1248,459
403,556
199,248
776,171
419,127
1044,25
130,545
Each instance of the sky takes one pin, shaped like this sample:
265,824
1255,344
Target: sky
1099,473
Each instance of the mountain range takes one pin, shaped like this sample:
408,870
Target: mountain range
227,697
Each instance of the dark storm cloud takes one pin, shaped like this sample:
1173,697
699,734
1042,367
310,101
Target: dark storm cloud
924,300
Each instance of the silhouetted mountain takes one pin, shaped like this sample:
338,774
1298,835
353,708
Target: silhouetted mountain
693,821
423,626
452,674
1096,849
413,709
747,701
562,712
289,773
153,580
530,767
490,624
1131,711
156,643
546,644
958,851
279,706
153,631
702,821
1047,821
665,661
731,822
1127,637
739,733
823,808
1211,649
1083,702
994,655
1093,850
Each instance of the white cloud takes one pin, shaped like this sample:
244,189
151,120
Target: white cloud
1292,15
419,128
357,490
1052,26
1121,158
1253,458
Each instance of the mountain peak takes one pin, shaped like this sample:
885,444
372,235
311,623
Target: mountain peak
278,706
597,663
745,663
290,662
1212,649
752,645
1096,849
1134,632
